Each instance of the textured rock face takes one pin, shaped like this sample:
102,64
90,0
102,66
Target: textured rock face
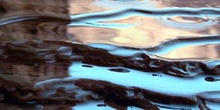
42,61
29,20
37,19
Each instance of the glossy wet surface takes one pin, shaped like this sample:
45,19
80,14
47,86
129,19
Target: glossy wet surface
105,54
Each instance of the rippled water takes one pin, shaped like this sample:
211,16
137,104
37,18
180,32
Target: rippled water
150,26
166,50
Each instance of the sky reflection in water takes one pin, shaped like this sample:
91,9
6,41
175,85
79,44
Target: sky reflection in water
166,29
148,26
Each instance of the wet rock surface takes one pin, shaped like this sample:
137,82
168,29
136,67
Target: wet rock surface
116,96
63,52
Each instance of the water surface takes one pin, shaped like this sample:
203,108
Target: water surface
164,53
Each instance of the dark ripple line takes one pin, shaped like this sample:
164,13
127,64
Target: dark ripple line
31,17
166,46
146,12
184,41
188,41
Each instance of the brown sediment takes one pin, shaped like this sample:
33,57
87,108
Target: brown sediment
116,96
63,52
17,93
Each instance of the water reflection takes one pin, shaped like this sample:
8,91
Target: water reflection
210,52
189,22
172,23
197,19
133,34
121,4
28,20
174,19
187,3
153,83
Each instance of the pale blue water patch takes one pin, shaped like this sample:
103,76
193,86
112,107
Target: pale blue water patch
117,50
124,52
91,105
175,107
213,105
212,63
211,96
165,47
212,99
109,25
104,46
164,84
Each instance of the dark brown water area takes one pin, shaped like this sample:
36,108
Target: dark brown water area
109,54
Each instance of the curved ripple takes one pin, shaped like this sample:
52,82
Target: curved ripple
188,16
164,47
30,17
124,3
168,46
192,22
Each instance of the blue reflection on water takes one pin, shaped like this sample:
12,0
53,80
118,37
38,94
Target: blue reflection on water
209,17
162,84
164,47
